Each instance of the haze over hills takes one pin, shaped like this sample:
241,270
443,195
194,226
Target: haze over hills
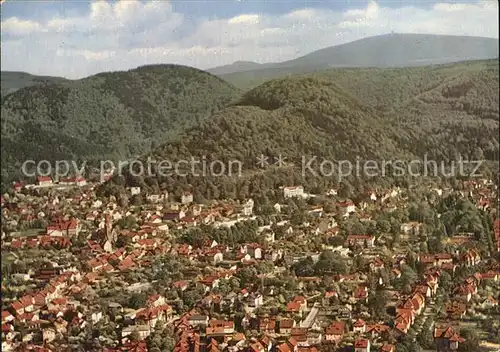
390,50
113,116
376,114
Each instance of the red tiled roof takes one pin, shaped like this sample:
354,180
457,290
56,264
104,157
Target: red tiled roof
361,343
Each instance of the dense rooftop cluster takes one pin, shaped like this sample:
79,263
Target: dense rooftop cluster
393,270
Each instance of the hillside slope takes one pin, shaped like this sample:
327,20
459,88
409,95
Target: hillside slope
113,116
394,88
311,115
12,81
457,117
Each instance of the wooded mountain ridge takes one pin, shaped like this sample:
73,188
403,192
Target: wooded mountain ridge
109,116
444,112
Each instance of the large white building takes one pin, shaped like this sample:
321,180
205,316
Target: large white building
290,192
186,198
248,208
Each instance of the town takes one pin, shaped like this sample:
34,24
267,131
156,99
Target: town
396,269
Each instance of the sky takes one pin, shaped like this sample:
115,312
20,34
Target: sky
75,39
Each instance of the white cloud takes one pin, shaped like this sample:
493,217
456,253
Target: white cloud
19,27
87,54
127,34
244,19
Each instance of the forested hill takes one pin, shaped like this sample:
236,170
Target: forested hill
311,115
114,115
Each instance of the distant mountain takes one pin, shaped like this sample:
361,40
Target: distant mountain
384,51
109,116
341,114
401,50
12,81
